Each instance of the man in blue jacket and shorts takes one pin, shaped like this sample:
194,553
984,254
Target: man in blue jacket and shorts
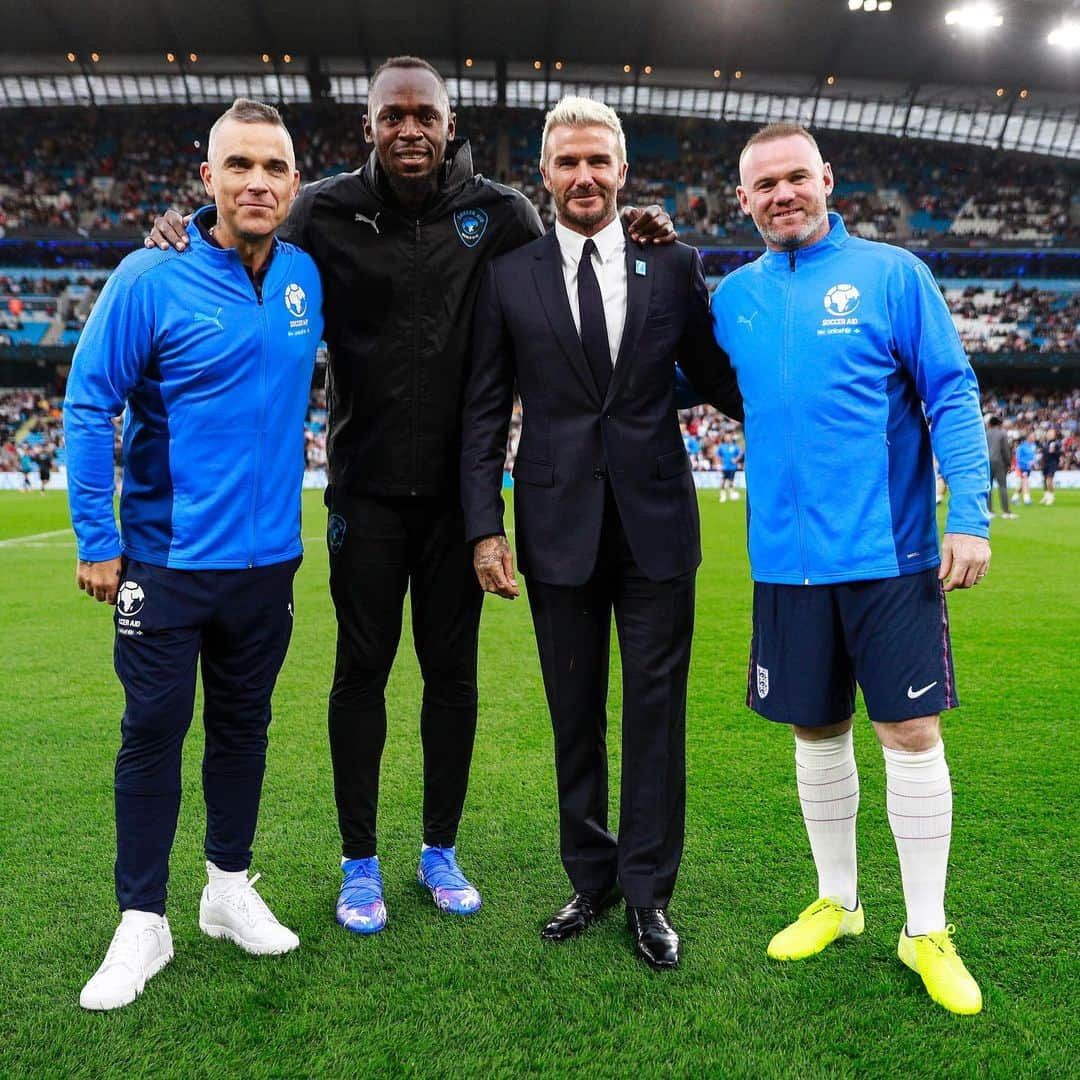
840,343
210,358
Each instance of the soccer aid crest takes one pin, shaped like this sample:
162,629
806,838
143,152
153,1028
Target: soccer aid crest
470,225
130,598
842,300
295,300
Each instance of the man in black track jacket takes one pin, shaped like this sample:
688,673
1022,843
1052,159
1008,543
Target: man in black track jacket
401,245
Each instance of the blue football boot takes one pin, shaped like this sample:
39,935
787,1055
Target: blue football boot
451,890
360,906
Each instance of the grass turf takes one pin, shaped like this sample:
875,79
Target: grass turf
435,995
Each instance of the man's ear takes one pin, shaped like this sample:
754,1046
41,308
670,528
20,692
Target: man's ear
207,178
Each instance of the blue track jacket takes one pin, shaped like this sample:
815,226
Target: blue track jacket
214,381
837,346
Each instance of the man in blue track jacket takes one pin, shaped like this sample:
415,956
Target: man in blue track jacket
840,344
210,358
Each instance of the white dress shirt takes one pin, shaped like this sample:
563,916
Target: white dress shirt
609,265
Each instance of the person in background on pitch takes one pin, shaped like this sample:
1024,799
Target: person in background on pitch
999,449
1050,454
401,245
211,358
849,586
731,456
1026,453
589,327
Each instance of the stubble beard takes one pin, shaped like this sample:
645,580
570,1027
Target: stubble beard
790,241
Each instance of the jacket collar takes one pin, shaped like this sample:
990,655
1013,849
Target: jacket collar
456,170
835,238
203,220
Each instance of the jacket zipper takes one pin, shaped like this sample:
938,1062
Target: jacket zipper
418,306
257,286
788,425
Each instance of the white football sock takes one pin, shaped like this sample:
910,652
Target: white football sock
829,792
920,814
222,881
141,918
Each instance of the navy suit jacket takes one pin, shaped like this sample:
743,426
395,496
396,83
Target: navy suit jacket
573,442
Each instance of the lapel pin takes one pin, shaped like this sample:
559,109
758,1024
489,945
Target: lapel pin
639,267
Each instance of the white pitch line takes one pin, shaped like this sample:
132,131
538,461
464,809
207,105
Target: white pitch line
16,540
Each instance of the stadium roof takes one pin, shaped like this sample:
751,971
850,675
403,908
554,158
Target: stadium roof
909,45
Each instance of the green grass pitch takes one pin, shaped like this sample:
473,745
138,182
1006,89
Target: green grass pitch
439,996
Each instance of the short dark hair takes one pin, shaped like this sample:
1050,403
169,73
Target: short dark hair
995,421
248,111
407,62
778,131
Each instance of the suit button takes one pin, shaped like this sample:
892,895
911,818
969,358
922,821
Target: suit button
599,474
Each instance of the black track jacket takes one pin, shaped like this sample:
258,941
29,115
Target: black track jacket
398,300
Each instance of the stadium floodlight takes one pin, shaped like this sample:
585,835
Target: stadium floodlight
1066,36
974,17
869,5
854,5
884,5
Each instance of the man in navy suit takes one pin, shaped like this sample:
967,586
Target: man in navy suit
590,328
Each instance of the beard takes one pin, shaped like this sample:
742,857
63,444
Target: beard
587,219
788,240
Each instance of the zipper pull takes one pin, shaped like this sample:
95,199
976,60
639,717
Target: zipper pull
791,260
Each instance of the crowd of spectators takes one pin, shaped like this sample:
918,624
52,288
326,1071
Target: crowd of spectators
101,170
31,426
1020,318
1046,414
31,429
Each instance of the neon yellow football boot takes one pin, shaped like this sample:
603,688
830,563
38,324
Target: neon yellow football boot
933,956
819,925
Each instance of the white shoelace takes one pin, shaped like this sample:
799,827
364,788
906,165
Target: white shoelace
247,901
123,950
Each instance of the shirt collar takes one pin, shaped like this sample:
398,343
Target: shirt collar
610,241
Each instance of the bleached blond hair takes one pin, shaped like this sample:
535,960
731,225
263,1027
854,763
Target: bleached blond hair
581,112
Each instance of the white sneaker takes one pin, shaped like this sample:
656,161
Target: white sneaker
240,914
734,496
140,948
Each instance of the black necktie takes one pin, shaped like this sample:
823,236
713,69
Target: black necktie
594,338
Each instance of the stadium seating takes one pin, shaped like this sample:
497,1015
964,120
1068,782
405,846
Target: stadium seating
109,171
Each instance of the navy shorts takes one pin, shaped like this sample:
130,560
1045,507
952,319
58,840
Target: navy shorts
729,474
813,643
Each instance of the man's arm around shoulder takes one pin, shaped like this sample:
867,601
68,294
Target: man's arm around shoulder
706,365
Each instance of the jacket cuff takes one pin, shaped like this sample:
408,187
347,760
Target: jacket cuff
968,513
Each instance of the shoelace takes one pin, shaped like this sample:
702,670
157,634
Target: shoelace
442,871
655,916
124,947
943,940
821,904
246,899
362,887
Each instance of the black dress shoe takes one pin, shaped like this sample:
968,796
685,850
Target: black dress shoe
579,913
657,942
